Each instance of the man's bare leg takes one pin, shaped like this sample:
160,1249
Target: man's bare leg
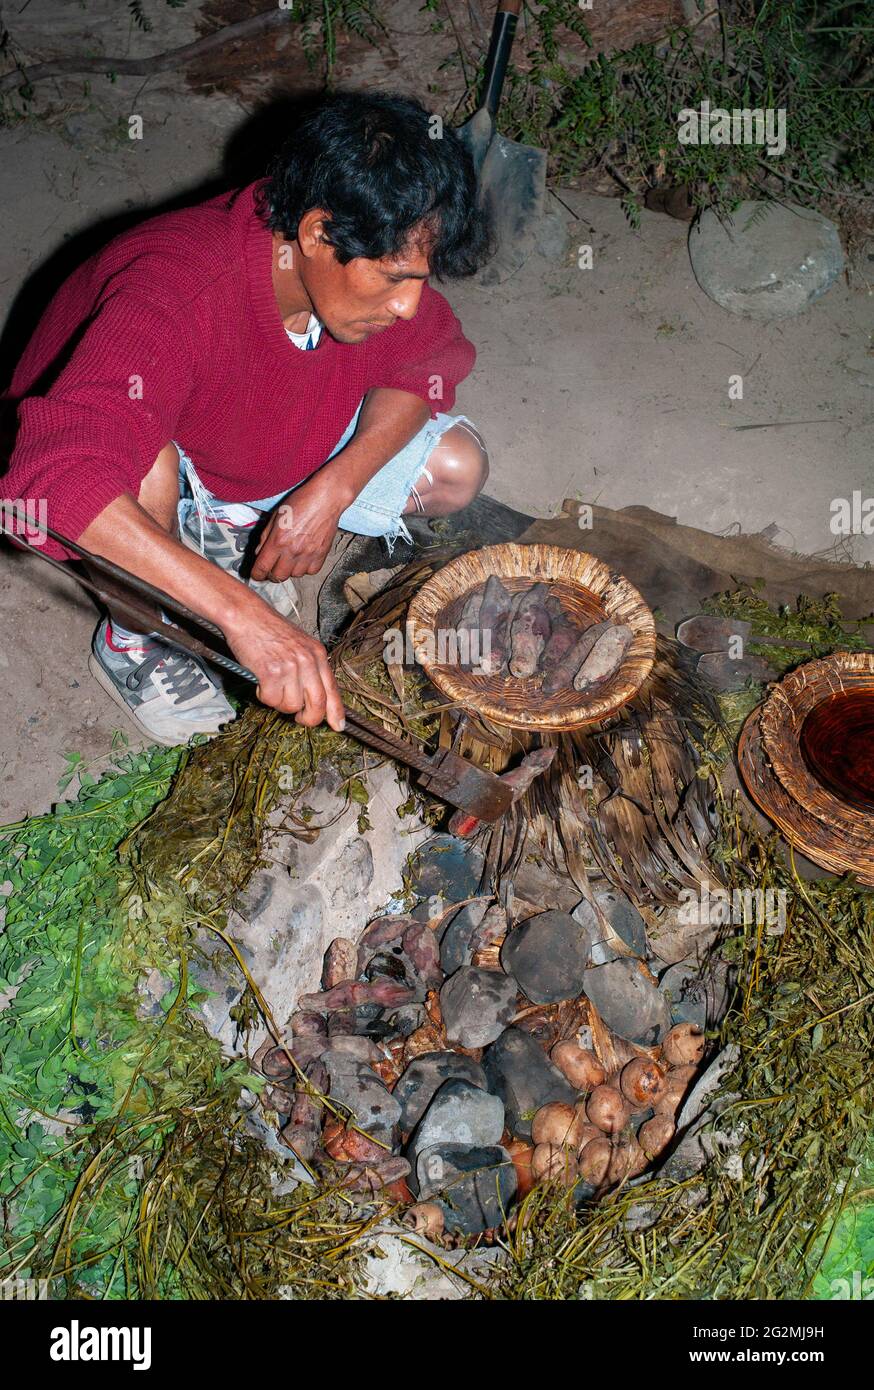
457,470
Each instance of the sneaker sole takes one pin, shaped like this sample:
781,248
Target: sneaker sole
112,691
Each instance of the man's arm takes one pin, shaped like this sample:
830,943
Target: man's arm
299,534
292,668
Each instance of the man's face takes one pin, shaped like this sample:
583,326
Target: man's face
364,297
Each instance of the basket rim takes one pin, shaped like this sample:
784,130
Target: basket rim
536,560
782,717
820,842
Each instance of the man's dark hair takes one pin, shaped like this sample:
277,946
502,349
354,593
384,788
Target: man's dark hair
373,163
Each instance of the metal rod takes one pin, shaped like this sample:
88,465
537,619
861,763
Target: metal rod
152,620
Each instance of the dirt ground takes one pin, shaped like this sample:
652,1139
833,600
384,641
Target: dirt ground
610,383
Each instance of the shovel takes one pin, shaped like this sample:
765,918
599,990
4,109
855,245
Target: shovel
511,177
140,605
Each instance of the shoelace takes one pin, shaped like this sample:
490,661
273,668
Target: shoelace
185,677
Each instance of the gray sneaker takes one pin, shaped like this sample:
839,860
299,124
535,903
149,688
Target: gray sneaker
169,695
224,542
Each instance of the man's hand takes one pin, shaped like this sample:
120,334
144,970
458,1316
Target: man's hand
292,668
300,532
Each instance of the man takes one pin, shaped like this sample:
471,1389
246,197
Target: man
276,352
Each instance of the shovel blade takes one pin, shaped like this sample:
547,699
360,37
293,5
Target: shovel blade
476,135
513,189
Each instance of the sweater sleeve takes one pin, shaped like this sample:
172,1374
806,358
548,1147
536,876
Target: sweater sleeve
427,355
96,431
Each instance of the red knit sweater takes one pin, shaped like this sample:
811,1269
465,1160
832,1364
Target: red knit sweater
173,332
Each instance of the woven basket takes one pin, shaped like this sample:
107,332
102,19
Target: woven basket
831,832
782,718
588,590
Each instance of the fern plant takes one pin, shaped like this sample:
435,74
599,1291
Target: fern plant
140,17
322,20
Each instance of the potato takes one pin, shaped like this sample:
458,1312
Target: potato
626,1161
642,1082
607,1110
426,1219
557,1123
585,1131
655,1135
593,1163
551,1162
348,1146
683,1046
677,1083
580,1066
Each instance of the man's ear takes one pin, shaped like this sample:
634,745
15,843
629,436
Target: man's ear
311,236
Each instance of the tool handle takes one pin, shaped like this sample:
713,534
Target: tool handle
500,44
365,730
375,736
141,587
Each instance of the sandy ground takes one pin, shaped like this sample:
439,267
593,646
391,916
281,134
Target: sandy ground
610,383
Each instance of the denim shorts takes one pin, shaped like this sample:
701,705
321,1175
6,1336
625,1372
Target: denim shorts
376,511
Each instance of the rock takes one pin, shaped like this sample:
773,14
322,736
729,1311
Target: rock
455,943
672,938
356,867
406,1019
536,881
256,896
340,963
355,1086
392,1266
705,1140
697,993
708,1084
151,989
553,236
459,1113
547,955
422,952
625,920
701,1139
351,1045
421,1080
628,1001
519,1071
475,1185
768,268
320,890
726,673
362,1020
477,1005
446,866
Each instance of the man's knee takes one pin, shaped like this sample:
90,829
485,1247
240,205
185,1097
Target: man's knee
462,462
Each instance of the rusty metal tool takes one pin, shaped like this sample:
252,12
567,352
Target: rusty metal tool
141,606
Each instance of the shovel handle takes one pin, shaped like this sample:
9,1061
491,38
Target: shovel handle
498,55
